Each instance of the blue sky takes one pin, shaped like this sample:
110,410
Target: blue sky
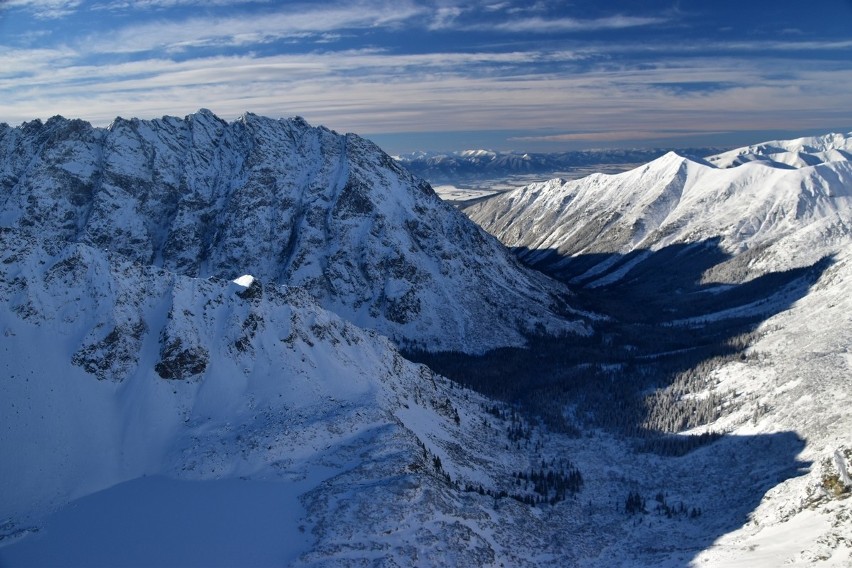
443,74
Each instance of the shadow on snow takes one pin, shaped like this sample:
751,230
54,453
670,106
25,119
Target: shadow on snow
671,317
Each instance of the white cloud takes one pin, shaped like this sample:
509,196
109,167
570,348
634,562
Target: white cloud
497,6
44,9
791,46
249,29
445,17
700,47
540,24
535,7
165,4
372,91
15,63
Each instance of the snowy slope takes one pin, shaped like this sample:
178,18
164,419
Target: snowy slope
283,201
188,411
800,152
751,212
113,371
150,418
797,215
798,373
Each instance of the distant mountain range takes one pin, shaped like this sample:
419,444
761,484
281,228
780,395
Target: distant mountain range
473,165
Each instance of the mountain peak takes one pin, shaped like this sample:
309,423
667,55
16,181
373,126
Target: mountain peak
477,153
670,159
204,115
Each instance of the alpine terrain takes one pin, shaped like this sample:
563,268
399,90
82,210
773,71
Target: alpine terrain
753,248
209,335
252,426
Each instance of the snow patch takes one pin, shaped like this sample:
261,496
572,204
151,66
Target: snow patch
245,280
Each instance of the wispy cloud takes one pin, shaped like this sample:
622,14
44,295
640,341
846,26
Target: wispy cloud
352,65
165,4
409,66
726,47
541,24
445,17
497,6
374,91
250,29
28,63
820,45
43,9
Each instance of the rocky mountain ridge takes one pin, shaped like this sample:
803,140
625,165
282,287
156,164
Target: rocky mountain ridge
114,371
287,203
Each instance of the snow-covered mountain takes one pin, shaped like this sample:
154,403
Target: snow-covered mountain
784,216
719,243
800,152
194,415
114,371
285,202
205,422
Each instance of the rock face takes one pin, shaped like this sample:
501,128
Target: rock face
283,201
